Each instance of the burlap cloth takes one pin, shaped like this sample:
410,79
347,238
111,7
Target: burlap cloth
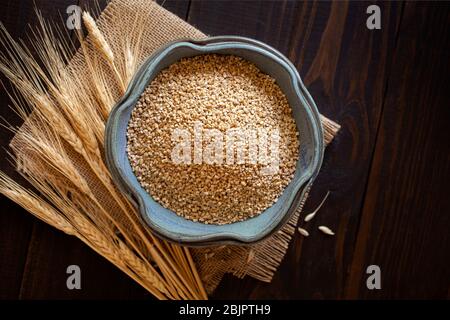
259,261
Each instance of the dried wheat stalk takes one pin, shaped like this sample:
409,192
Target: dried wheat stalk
102,46
66,129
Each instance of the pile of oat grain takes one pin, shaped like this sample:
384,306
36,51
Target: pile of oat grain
221,92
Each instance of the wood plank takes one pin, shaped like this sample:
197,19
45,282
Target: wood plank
15,232
405,221
347,76
51,252
345,67
268,21
178,7
15,223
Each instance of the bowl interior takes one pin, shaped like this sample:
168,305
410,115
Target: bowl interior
164,221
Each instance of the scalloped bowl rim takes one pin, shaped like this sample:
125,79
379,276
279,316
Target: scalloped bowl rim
116,160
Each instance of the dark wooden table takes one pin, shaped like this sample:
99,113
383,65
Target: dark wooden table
387,170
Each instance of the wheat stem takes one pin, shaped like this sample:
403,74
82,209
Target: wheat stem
102,45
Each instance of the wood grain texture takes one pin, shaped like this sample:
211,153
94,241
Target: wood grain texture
386,169
405,223
49,255
346,75
178,7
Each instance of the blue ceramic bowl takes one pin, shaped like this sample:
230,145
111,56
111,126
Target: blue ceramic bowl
164,222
